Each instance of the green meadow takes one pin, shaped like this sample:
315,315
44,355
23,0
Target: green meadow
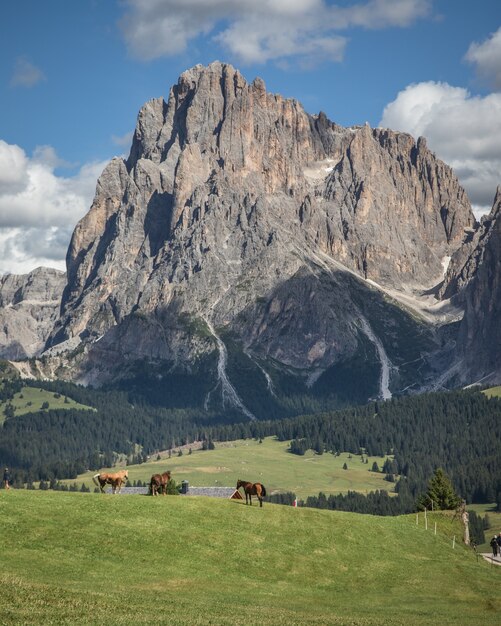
268,462
493,392
494,518
76,558
31,399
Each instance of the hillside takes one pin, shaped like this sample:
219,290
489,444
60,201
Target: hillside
91,559
33,399
270,462
459,431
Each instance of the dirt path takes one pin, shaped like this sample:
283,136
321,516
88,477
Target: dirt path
488,557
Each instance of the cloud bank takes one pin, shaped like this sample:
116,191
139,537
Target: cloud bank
257,31
38,209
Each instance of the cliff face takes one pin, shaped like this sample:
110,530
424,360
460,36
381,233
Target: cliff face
238,213
29,307
474,280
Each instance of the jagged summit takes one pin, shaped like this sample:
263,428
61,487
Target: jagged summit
240,220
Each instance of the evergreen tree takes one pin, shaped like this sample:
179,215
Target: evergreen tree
440,494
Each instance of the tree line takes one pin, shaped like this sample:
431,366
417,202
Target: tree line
457,430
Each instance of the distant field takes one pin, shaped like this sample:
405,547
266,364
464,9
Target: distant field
267,462
120,560
493,392
494,522
31,399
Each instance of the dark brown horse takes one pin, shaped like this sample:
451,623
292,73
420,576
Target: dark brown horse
252,489
158,483
116,480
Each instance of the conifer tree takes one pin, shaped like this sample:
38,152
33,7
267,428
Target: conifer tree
440,494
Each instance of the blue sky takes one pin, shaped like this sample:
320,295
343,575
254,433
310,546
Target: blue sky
74,74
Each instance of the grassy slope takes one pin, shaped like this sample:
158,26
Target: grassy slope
37,397
91,559
267,462
494,521
493,392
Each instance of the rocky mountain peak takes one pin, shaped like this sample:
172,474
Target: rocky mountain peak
233,201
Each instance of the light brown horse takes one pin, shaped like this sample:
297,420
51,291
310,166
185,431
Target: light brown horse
252,489
158,483
116,480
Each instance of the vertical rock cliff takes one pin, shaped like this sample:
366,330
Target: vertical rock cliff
240,218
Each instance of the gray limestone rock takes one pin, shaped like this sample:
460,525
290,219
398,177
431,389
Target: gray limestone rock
237,212
240,220
29,307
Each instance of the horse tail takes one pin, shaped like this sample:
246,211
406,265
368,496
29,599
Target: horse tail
95,481
263,490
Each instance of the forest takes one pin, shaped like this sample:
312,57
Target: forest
457,430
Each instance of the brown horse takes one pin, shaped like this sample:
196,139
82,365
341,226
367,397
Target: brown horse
158,483
252,489
116,480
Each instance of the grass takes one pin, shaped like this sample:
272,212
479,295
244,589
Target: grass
31,399
70,558
493,392
267,462
494,518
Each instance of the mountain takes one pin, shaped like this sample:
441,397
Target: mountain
29,308
474,281
264,259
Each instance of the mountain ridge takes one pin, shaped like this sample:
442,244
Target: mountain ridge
304,243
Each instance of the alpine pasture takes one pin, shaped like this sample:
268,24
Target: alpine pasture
268,462
76,558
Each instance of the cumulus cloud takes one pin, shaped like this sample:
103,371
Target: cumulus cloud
38,209
463,130
486,57
256,31
26,74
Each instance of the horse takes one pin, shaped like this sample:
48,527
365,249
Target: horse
252,489
116,480
158,483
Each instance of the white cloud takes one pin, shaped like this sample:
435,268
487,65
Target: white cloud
26,74
38,209
256,31
463,130
24,249
124,141
486,57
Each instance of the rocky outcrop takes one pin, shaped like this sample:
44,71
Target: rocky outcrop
29,307
238,213
477,283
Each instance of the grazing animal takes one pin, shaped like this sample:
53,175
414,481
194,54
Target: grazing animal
252,489
158,483
116,480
